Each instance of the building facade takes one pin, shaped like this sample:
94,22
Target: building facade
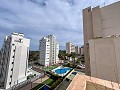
77,50
105,58
14,60
102,29
82,50
49,50
70,47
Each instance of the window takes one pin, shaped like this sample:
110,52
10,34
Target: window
12,69
13,44
10,76
89,10
14,50
12,62
13,56
9,83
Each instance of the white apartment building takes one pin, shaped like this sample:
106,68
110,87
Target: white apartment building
77,50
49,50
82,50
70,47
14,60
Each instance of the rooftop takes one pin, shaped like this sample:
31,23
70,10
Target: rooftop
83,82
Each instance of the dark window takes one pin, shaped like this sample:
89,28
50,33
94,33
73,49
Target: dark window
10,76
12,69
89,10
13,56
13,44
12,62
9,83
14,50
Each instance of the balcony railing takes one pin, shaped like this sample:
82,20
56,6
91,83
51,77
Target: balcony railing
26,82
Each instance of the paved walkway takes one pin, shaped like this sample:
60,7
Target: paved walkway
64,85
35,83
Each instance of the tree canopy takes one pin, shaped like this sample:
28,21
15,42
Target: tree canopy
33,55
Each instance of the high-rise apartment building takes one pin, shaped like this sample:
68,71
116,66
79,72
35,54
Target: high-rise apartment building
70,47
102,41
82,50
77,50
49,50
14,60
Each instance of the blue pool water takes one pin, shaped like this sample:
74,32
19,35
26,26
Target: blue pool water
45,87
62,70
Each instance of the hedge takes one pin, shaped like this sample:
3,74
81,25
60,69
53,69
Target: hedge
56,83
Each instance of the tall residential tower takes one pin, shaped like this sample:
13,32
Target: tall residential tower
14,60
49,49
70,47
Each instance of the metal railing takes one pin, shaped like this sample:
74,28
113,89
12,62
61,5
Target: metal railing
26,82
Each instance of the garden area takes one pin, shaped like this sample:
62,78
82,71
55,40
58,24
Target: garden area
48,82
50,68
52,82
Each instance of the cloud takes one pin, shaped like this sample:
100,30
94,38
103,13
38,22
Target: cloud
38,18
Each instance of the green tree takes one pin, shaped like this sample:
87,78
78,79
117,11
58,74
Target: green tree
33,55
62,54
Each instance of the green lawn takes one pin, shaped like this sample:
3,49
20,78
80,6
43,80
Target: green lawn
49,82
50,68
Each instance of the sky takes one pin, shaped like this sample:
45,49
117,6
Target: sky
39,18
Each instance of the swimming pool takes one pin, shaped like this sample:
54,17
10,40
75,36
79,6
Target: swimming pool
45,87
62,70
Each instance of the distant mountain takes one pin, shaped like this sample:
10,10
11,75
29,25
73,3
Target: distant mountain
41,3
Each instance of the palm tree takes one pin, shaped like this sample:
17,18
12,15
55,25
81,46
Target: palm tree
62,55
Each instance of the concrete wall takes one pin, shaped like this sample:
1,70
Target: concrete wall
106,20
104,58
88,34
110,16
99,23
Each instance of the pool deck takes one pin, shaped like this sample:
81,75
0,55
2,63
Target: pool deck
70,76
66,83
